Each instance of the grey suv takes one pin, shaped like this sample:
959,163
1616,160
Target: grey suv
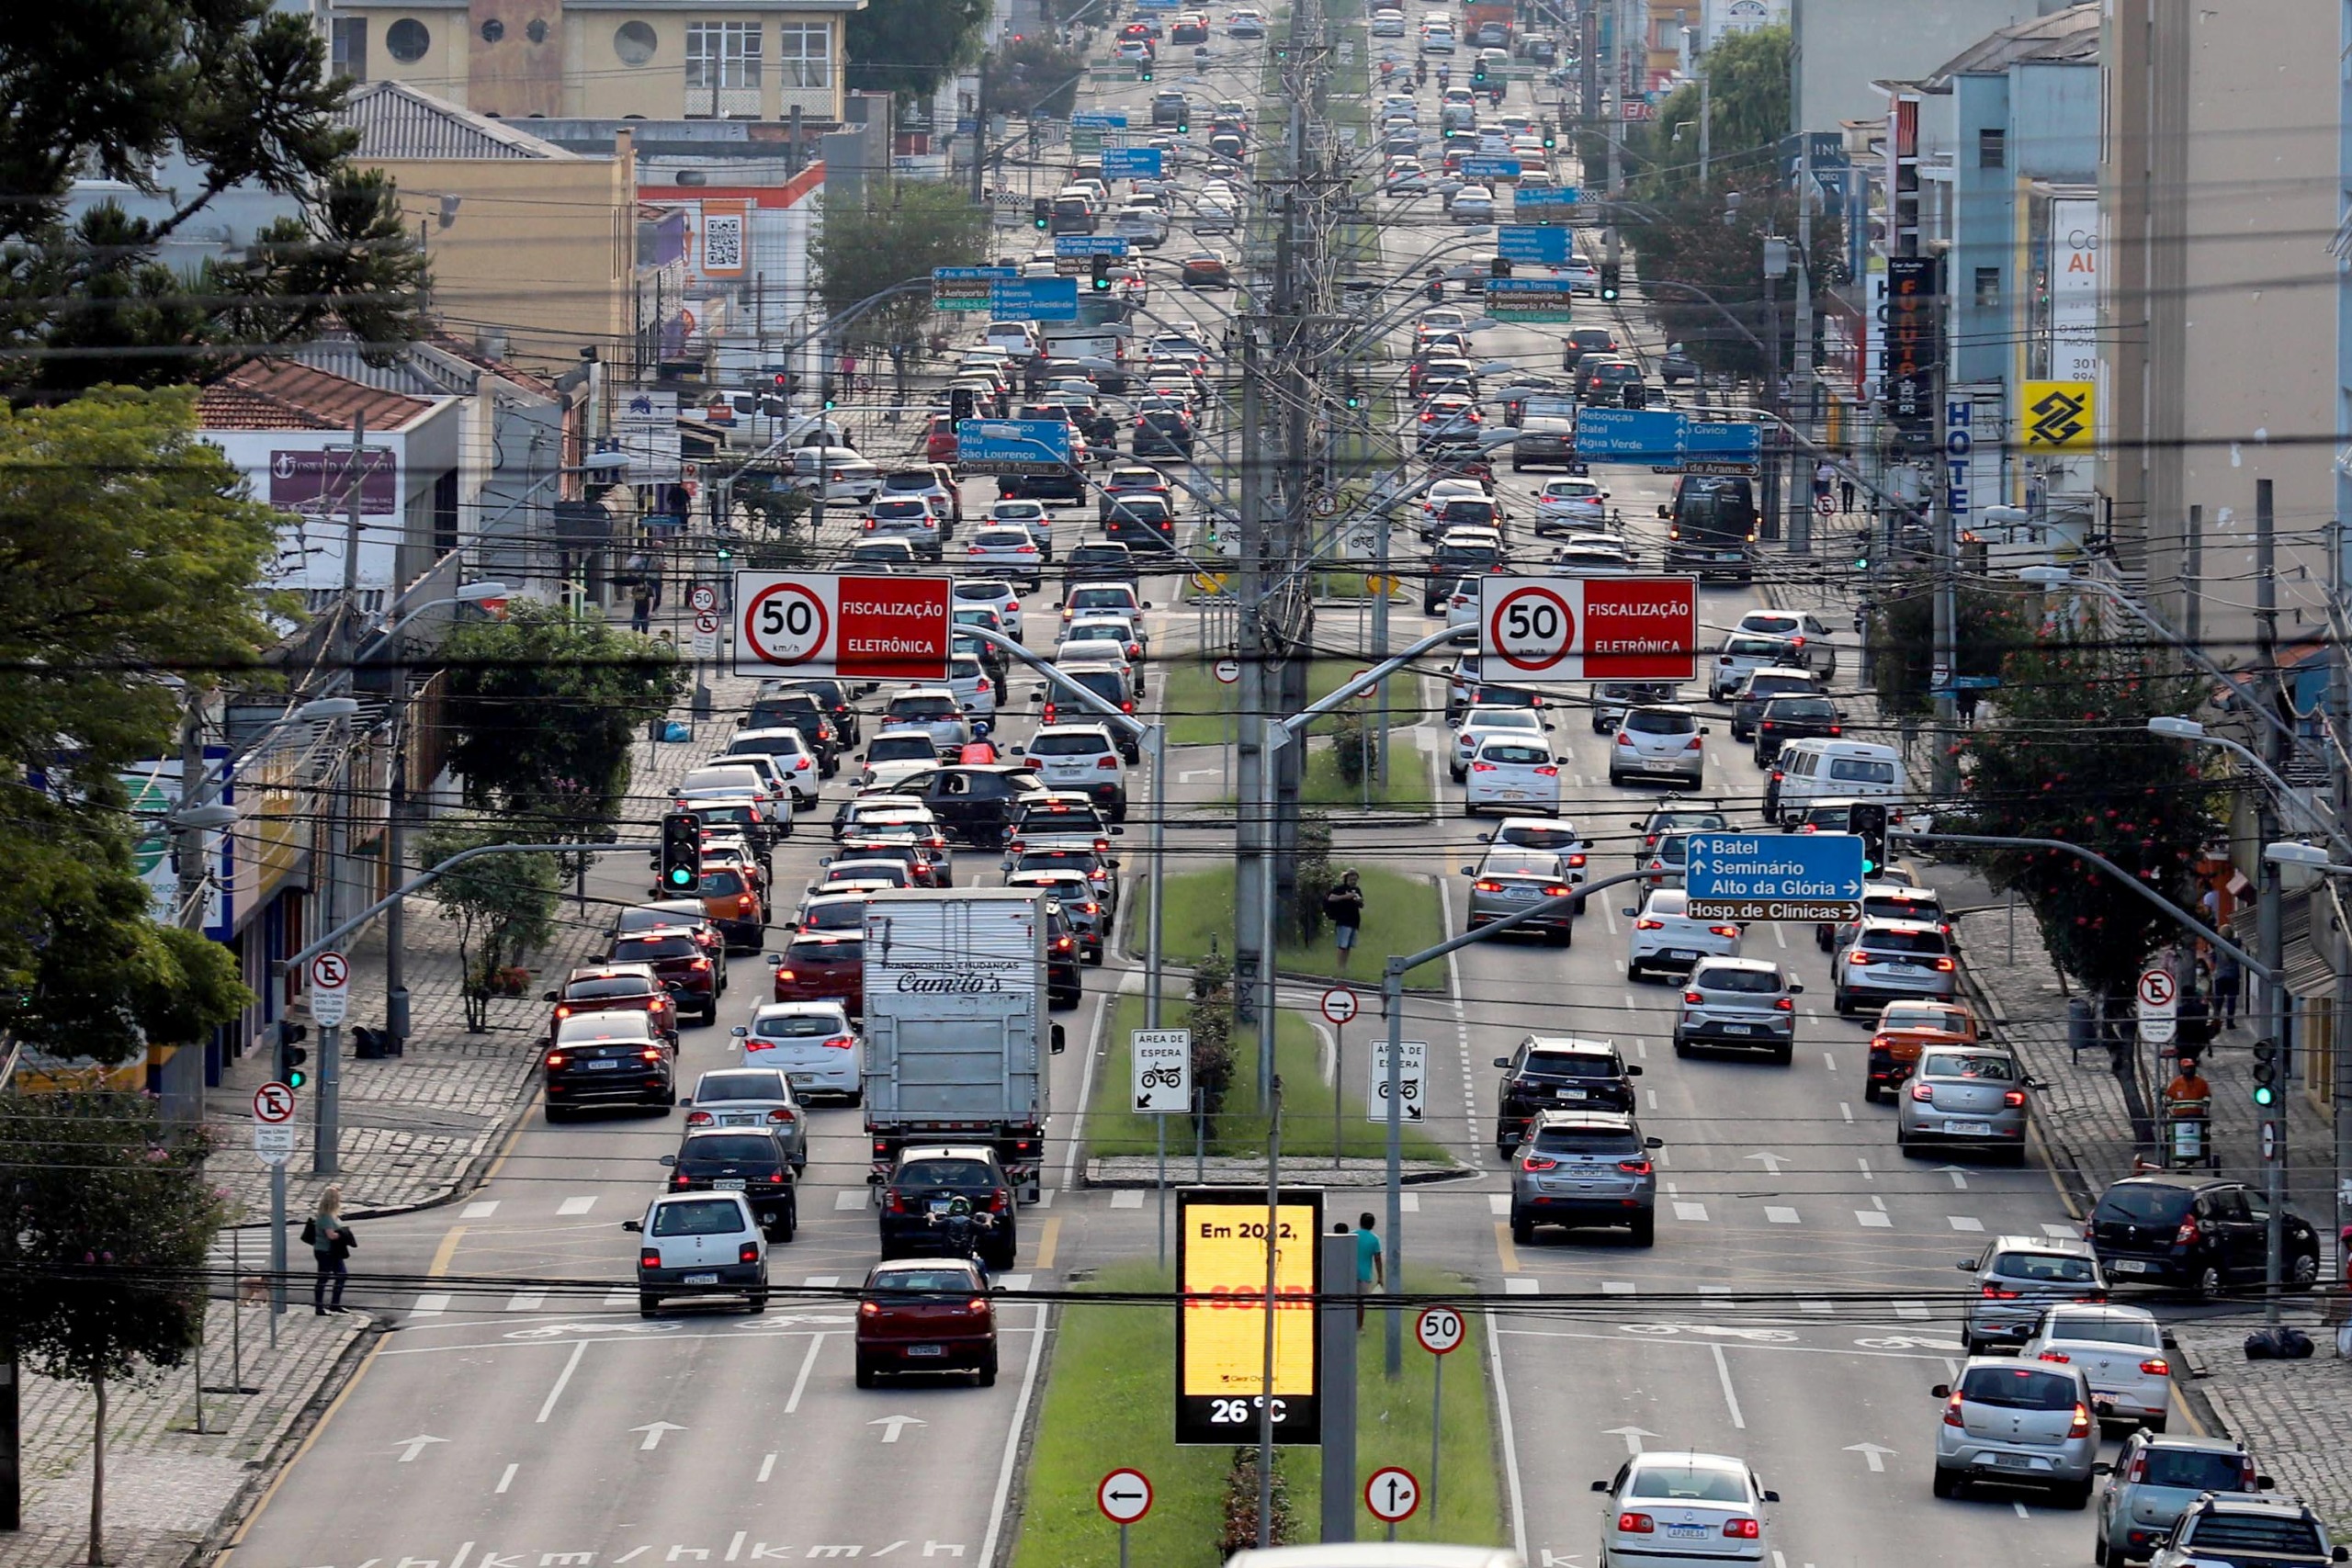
2232,1530
2154,1478
1742,1003
1892,959
1583,1167
2019,1275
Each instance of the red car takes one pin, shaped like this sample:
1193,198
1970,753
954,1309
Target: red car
823,967
675,954
925,1314
939,441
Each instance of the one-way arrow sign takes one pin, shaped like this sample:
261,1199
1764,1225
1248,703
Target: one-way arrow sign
1873,1452
1771,1161
893,1424
412,1447
654,1430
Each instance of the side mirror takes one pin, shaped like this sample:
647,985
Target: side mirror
776,960
2263,1483
1633,1071
550,997
1467,871
1503,1062
1770,1496
1486,838
1662,513
2102,1467
671,1159
1600,1486
1146,603
741,1033
1795,988
1942,1391
1037,697
1060,1040
1706,729
633,1225
1966,1265
1117,832
1653,1143
1630,912
1113,861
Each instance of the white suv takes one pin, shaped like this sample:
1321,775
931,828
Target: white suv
1082,758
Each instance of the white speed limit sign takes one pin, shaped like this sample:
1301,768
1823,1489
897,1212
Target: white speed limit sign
786,622
1439,1330
1530,628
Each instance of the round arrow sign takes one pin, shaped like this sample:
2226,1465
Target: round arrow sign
1392,1493
1227,671
1125,1496
1340,1004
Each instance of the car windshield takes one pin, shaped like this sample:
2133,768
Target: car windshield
1534,862
1536,838
1569,1065
902,749
921,709
740,1086
833,951
1786,708
944,1279
1901,942
1068,745
2195,1469
1642,722
704,1216
965,1175
1614,1143
618,985
1954,1064
796,1026
1860,769
737,1148
2044,1265
1751,982
2146,1203
2096,1328
1519,756
1754,647
640,949
1688,1484
1775,625
2018,1388
2264,1533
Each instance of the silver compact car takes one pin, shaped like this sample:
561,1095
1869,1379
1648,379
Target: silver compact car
1508,881
1975,1095
1658,741
2017,1277
1583,1167
1892,959
1746,1004
2016,1423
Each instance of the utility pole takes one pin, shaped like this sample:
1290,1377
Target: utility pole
1252,648
1706,127
2277,1007
2339,701
1804,415
326,1151
980,143
1941,661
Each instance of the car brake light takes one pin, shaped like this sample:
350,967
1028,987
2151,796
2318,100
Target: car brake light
699,964
784,977
556,1059
1952,1418
1547,772
1944,966
1834,730
747,1253
1784,1005
869,524
2060,1356
1724,931
678,1182
1693,746
840,1041
1558,892
1994,1293
1482,886
2081,1428
564,1011
1635,1523
1626,739
1634,1167
2187,1234
2013,1098
1649,925
1539,1162
1575,860
1694,997
697,1118
2156,1367
649,1258
1741,1530
1858,958
1922,1092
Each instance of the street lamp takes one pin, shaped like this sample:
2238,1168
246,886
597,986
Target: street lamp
2309,857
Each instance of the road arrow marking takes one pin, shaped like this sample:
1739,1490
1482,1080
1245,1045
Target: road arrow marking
894,1425
1958,1177
1872,1452
654,1430
412,1447
1633,1436
1771,1161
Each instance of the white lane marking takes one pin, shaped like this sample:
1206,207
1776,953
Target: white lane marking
1911,1309
1965,1221
1780,937
1722,1375
1127,1198
1045,1197
2020,1509
1186,776
1502,1388
480,1210
1867,1174
1013,1281
1846,1109
1498,1203
1461,1028
1775,1214
433,1304
792,1405
822,1281
1086,1080
619,1298
1408,1202
1879,1204
1819,1309
2061,1233
853,1199
768,1466
547,1408
506,1478
1641,1047
1653,1094
1608,918
526,1301
1874,1218
1521,1285
1829,1061
1693,1213
1012,1437
1619,1288
576,1205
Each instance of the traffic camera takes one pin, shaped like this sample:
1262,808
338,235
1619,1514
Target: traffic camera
680,853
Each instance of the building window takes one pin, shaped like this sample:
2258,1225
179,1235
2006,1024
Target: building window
1992,149
635,42
537,31
805,55
408,40
493,30
722,55
1988,288
348,47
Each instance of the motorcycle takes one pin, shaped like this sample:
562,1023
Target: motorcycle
961,1234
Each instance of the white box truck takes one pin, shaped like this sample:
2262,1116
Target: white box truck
955,1009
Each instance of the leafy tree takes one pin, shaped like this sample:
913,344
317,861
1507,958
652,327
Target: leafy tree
239,91
1990,627
127,559
111,1218
1748,117
913,228
503,907
542,708
908,47
1034,76
2068,755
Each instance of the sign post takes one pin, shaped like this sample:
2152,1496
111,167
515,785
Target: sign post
1392,1493
1441,1330
1773,877
1405,1081
1339,1007
1125,1496
1162,1059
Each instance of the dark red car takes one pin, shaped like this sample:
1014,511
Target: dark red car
675,954
607,987
823,967
939,441
927,1314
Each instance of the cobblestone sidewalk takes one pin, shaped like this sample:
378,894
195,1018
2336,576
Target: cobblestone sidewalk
2295,1417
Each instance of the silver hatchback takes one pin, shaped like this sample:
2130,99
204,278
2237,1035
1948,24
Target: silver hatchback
751,1096
1977,1096
1658,741
2017,1277
1509,880
1583,1167
2016,1424
1747,1004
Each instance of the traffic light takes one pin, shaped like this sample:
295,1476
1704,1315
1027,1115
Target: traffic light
1608,276
1101,268
724,551
1143,68
1347,387
960,404
1478,73
2266,1073
825,390
1551,136
1184,120
1041,211
1633,395
1867,819
1437,288
1498,267
680,853
291,1055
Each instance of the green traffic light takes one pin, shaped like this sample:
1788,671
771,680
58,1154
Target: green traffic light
296,1078
2264,1094
681,877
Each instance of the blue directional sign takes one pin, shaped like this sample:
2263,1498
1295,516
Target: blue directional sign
1773,877
1528,197
1130,163
1713,447
1034,299
1012,446
1089,245
1628,436
1099,119
966,287
1552,247
1490,168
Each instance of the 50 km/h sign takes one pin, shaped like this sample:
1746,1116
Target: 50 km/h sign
1439,1330
1591,628
860,629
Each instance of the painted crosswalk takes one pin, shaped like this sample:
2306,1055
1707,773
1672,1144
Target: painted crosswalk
1689,1214
1776,1214
480,1210
1874,1218
853,1199
433,1304
576,1205
1520,1285
1127,1198
526,1301
1965,1221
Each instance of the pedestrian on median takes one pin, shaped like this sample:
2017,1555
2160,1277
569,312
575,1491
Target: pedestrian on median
2227,976
1343,907
331,1242
1372,1269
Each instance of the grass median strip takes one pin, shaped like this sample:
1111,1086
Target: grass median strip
1402,914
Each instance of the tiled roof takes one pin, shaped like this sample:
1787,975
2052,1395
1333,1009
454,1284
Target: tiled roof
396,120
279,394
2061,36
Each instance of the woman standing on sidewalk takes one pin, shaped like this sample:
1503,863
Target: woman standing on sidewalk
331,1242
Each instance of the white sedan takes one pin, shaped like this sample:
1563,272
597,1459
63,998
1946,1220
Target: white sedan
1007,547
1666,938
1676,1510
1485,719
1510,772
1570,505
2119,1349
1471,204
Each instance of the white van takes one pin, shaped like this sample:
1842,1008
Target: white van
1816,770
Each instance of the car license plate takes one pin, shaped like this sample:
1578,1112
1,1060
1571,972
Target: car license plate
926,1350
1514,794
1519,893
1969,1129
1686,1532
1739,1029
1905,969
604,1066
728,1184
1690,954
702,1279
939,1205
798,1080
1726,554
739,1121
2133,1266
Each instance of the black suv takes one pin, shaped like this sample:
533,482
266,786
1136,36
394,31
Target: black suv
1064,985
1784,719
925,1180
781,706
1101,560
973,802
608,1058
1556,1072
2200,1232
750,1160
839,700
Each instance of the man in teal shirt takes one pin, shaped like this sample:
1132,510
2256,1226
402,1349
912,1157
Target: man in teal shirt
1371,1267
